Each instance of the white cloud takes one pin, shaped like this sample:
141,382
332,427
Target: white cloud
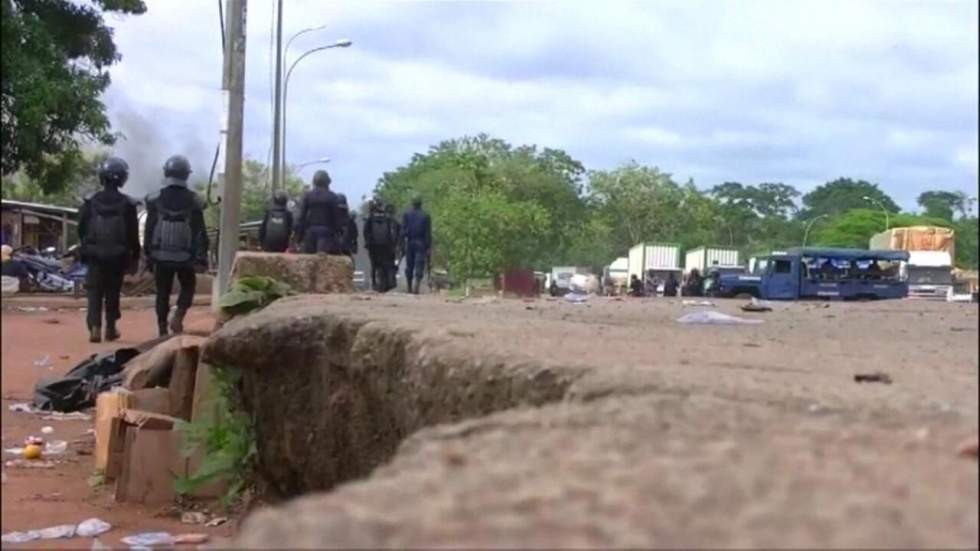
800,92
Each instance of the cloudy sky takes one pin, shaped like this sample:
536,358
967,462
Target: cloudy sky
750,91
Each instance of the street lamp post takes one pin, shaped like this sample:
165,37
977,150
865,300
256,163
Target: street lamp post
285,90
810,225
882,207
322,160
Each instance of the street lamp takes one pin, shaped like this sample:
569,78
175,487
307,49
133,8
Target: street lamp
322,160
882,207
344,43
810,225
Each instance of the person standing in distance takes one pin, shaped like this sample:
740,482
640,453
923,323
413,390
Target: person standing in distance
277,225
417,236
110,246
348,228
318,228
176,241
380,239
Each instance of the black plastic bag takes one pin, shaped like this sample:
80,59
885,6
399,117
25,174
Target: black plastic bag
79,387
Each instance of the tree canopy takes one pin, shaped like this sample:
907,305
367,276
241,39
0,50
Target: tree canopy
842,195
55,60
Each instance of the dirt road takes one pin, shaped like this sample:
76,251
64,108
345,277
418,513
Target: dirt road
39,498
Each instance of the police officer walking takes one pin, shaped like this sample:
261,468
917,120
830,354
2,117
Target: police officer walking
381,239
277,225
176,241
417,238
348,227
318,225
109,235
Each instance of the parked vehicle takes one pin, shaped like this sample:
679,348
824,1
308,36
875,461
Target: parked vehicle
652,263
704,257
930,265
848,274
46,272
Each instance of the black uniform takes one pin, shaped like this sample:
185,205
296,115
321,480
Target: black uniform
176,243
277,226
109,234
417,237
318,226
381,239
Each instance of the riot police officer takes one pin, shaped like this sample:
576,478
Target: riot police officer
109,235
417,239
176,241
347,220
381,239
277,224
318,227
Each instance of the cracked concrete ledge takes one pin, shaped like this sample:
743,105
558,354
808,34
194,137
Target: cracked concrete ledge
553,425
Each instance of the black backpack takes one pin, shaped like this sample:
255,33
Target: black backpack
172,240
277,230
105,236
380,231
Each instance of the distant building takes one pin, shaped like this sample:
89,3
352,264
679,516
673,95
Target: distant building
38,225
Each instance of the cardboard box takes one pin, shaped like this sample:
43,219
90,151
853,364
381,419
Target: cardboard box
108,406
150,460
182,382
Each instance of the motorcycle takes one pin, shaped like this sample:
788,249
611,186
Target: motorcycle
45,272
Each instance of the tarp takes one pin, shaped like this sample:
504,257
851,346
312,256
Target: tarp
916,238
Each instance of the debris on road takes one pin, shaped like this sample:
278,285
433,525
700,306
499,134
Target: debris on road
217,521
190,539
47,430
712,317
970,448
876,377
92,527
43,361
756,305
576,298
22,407
73,416
687,302
149,539
29,464
193,517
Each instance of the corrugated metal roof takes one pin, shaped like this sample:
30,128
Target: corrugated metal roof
40,207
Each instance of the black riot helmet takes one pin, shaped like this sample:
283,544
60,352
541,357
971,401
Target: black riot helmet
342,199
113,172
177,167
280,198
321,178
417,201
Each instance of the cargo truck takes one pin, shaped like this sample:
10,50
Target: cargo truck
704,257
930,265
662,258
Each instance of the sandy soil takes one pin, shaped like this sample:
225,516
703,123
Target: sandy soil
39,498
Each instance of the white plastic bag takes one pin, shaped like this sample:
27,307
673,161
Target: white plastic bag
92,527
712,317
56,532
10,285
149,539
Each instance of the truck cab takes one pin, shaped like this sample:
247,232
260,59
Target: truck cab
930,275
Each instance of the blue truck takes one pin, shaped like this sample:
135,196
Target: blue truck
811,272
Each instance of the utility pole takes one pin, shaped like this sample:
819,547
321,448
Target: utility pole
234,93
277,108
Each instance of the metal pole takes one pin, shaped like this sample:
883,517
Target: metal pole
810,225
234,84
277,108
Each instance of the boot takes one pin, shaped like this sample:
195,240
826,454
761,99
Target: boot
94,334
111,334
162,329
177,321
418,285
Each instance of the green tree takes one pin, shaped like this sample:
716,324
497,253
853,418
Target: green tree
842,195
943,204
855,227
55,60
966,228
21,187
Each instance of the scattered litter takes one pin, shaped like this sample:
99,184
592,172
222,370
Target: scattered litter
711,317
43,361
190,539
149,539
969,448
57,532
29,464
56,447
99,546
23,407
576,298
52,321
193,517
92,527
217,521
20,537
756,305
14,451
687,302
876,377
73,416
47,430
32,308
